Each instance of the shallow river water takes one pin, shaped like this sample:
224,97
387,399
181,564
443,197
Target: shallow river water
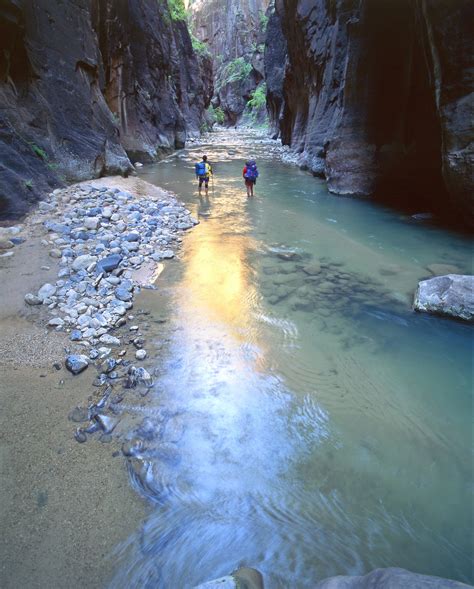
304,421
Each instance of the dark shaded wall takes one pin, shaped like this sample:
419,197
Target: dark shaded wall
84,82
375,96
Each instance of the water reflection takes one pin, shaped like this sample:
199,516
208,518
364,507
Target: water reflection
304,421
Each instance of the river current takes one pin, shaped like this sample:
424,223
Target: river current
305,421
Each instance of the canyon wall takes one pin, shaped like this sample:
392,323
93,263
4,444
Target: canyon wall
234,32
84,85
375,96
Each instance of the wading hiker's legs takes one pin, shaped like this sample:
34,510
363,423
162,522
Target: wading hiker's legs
206,185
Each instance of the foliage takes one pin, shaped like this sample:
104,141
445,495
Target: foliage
235,71
216,115
177,10
199,46
39,152
258,98
263,21
29,184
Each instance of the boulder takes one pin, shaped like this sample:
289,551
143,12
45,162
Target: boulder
450,295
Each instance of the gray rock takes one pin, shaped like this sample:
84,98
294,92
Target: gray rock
76,335
107,423
56,322
32,299
77,363
132,236
6,244
91,222
140,354
390,578
46,291
109,340
123,294
450,295
55,253
83,262
109,263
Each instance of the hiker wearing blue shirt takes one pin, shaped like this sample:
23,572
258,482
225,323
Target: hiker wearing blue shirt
203,172
250,174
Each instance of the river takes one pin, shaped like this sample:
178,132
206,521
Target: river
304,420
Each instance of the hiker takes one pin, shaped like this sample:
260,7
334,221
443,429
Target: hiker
250,174
203,172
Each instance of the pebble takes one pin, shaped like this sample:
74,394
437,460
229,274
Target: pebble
109,340
140,354
32,299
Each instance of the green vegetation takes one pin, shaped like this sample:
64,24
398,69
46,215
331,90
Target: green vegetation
258,99
235,71
199,47
216,115
29,184
177,10
39,152
263,21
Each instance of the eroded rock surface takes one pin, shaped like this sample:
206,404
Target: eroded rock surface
451,295
84,84
374,97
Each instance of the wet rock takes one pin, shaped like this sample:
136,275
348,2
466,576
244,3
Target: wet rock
443,269
133,447
79,415
109,365
77,363
107,423
32,299
80,436
450,295
312,269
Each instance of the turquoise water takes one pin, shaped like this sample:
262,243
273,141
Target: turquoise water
305,421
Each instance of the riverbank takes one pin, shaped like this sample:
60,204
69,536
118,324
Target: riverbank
67,505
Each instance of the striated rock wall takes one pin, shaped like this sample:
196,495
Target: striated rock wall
375,95
82,83
234,32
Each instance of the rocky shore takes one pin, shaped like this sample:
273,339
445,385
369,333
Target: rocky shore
73,348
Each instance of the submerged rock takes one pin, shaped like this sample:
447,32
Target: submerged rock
450,295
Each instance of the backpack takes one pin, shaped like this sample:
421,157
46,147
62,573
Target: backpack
252,172
201,169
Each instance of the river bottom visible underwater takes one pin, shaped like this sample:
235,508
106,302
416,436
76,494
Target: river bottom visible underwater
304,420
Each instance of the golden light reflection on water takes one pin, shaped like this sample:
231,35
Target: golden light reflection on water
218,289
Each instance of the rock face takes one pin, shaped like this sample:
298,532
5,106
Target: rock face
374,96
234,32
451,295
82,83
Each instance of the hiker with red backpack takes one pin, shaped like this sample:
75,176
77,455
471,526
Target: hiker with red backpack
250,174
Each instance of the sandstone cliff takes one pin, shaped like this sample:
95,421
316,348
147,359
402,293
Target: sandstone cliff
83,84
234,32
375,96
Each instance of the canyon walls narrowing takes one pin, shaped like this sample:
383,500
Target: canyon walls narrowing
85,85
234,32
376,96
